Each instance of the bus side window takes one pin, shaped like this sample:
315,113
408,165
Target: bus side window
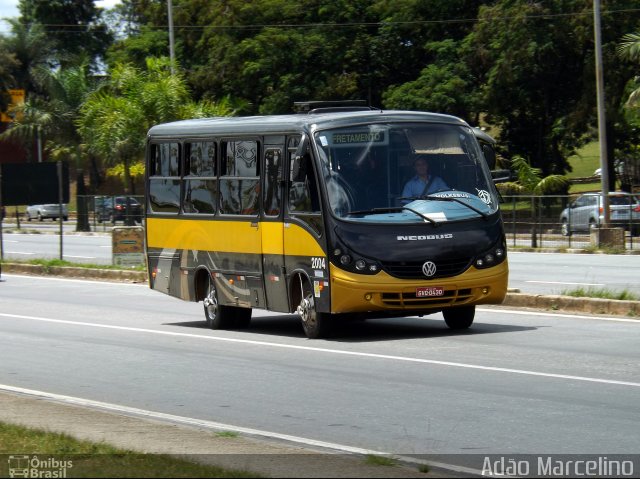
272,185
200,183
164,183
240,180
303,192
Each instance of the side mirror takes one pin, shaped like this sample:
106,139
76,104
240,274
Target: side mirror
501,176
297,171
489,155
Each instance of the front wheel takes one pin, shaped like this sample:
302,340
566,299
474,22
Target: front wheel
564,229
316,325
459,318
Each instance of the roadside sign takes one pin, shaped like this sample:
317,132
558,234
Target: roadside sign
128,246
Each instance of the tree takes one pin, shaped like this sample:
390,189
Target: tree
534,59
71,26
629,49
114,119
445,86
7,64
530,180
31,50
51,120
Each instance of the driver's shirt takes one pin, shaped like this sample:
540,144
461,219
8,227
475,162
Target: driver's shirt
415,186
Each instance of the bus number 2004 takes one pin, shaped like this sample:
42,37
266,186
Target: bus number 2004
318,263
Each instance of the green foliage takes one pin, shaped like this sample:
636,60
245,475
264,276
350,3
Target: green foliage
602,293
90,459
629,48
524,68
531,181
115,118
66,39
375,460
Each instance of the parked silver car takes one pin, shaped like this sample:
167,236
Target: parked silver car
587,212
47,211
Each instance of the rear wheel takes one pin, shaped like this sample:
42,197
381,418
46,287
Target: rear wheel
316,325
216,315
459,318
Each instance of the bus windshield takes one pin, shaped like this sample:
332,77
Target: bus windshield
419,172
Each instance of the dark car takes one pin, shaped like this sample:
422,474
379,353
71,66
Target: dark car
118,208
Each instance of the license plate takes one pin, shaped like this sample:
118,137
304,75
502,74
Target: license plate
428,292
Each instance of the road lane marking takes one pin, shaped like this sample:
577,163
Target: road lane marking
331,351
203,423
556,315
564,282
18,252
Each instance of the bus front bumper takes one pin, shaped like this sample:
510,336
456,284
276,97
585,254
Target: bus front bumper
354,293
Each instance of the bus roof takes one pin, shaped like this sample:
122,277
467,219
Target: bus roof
274,124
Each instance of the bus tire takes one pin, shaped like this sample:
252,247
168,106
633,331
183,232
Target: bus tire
216,315
459,318
316,325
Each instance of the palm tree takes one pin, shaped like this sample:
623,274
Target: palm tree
530,181
51,120
115,119
629,49
32,49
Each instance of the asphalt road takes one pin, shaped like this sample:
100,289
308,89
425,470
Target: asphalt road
517,382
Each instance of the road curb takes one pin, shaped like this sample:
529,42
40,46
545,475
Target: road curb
611,307
76,272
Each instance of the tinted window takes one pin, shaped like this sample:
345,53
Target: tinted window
200,196
164,195
272,186
239,183
201,158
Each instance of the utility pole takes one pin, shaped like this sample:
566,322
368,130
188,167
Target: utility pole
172,53
602,131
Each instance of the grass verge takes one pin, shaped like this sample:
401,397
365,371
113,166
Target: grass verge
602,293
87,459
49,263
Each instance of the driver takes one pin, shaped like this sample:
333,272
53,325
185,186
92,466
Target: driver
422,183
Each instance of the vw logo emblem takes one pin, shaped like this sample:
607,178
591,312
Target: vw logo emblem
429,268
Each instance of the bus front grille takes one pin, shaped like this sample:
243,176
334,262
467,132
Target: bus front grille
413,269
411,301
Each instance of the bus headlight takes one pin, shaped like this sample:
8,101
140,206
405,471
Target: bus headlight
492,257
350,261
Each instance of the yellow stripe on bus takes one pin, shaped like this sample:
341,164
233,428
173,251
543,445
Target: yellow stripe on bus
230,236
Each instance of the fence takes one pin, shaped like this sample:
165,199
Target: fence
530,221
549,222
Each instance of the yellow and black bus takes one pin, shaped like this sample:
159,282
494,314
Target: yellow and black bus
310,213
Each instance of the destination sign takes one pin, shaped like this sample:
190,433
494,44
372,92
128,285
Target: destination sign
358,137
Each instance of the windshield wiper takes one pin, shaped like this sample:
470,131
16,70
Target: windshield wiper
393,209
446,198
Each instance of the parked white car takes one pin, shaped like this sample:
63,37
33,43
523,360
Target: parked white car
586,212
47,211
